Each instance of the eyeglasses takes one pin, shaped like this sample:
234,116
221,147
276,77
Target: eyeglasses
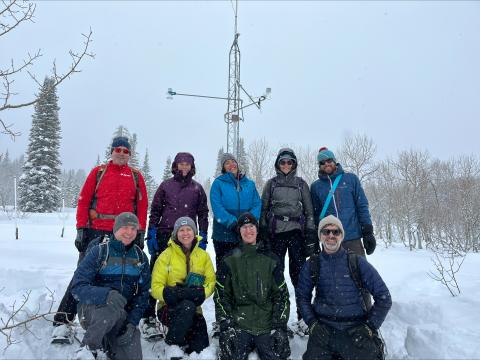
286,162
334,232
323,162
119,150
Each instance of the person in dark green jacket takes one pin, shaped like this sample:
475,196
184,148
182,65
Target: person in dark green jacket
251,299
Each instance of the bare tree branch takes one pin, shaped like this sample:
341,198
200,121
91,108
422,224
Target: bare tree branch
12,14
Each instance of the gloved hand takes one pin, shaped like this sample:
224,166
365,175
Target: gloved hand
194,294
361,335
203,243
320,332
115,299
81,239
264,235
312,246
280,344
170,295
127,336
233,227
139,239
152,242
369,242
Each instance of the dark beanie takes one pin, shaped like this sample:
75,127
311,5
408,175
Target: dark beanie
120,141
246,218
125,219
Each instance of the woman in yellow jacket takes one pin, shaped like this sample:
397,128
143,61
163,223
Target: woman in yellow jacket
182,278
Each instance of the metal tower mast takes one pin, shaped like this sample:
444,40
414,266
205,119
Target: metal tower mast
232,116
234,102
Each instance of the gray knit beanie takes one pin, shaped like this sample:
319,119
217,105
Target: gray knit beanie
184,220
125,219
330,220
225,157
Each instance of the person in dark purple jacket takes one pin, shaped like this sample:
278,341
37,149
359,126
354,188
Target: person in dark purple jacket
176,197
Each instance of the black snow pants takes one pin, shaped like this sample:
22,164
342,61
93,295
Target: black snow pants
186,327
222,248
67,310
244,343
339,345
294,242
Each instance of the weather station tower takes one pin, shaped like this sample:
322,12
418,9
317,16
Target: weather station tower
235,102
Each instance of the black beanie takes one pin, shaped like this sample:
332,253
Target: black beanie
120,141
246,218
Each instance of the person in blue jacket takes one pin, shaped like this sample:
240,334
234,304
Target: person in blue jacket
348,203
231,195
342,322
111,286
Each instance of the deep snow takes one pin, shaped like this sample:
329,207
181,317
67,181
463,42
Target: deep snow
425,321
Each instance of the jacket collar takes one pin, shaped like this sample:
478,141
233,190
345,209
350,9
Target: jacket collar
340,253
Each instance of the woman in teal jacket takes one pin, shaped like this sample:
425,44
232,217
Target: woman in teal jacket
231,195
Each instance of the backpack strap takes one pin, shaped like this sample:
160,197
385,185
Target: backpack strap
329,196
357,279
103,254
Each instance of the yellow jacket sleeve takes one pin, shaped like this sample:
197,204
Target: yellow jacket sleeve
160,274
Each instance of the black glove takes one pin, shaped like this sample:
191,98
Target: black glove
115,299
233,227
362,335
320,332
280,344
194,294
311,243
81,239
126,337
170,295
369,242
139,240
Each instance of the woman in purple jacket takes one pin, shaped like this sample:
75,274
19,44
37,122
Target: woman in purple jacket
176,197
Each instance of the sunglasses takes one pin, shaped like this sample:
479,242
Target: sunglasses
119,150
323,162
286,162
326,232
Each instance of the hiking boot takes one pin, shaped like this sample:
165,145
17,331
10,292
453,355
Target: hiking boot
215,329
84,353
299,328
62,334
151,330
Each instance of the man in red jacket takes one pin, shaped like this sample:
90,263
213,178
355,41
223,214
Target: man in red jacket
108,191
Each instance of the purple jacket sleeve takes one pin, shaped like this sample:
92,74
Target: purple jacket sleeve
202,211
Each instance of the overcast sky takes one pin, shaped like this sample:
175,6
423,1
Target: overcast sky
404,73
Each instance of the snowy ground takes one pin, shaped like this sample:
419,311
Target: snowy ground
425,321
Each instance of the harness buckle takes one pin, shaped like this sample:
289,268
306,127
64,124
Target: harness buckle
286,218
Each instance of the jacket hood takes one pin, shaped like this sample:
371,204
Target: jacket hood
183,157
286,153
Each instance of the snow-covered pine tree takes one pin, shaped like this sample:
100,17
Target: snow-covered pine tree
150,183
167,171
218,169
242,157
133,161
39,184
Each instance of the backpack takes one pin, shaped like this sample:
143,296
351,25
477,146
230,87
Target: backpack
354,274
300,219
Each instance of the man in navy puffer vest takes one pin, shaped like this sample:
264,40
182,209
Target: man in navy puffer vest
339,324
111,286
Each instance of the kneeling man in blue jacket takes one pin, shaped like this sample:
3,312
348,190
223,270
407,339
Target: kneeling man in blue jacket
111,285
342,322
